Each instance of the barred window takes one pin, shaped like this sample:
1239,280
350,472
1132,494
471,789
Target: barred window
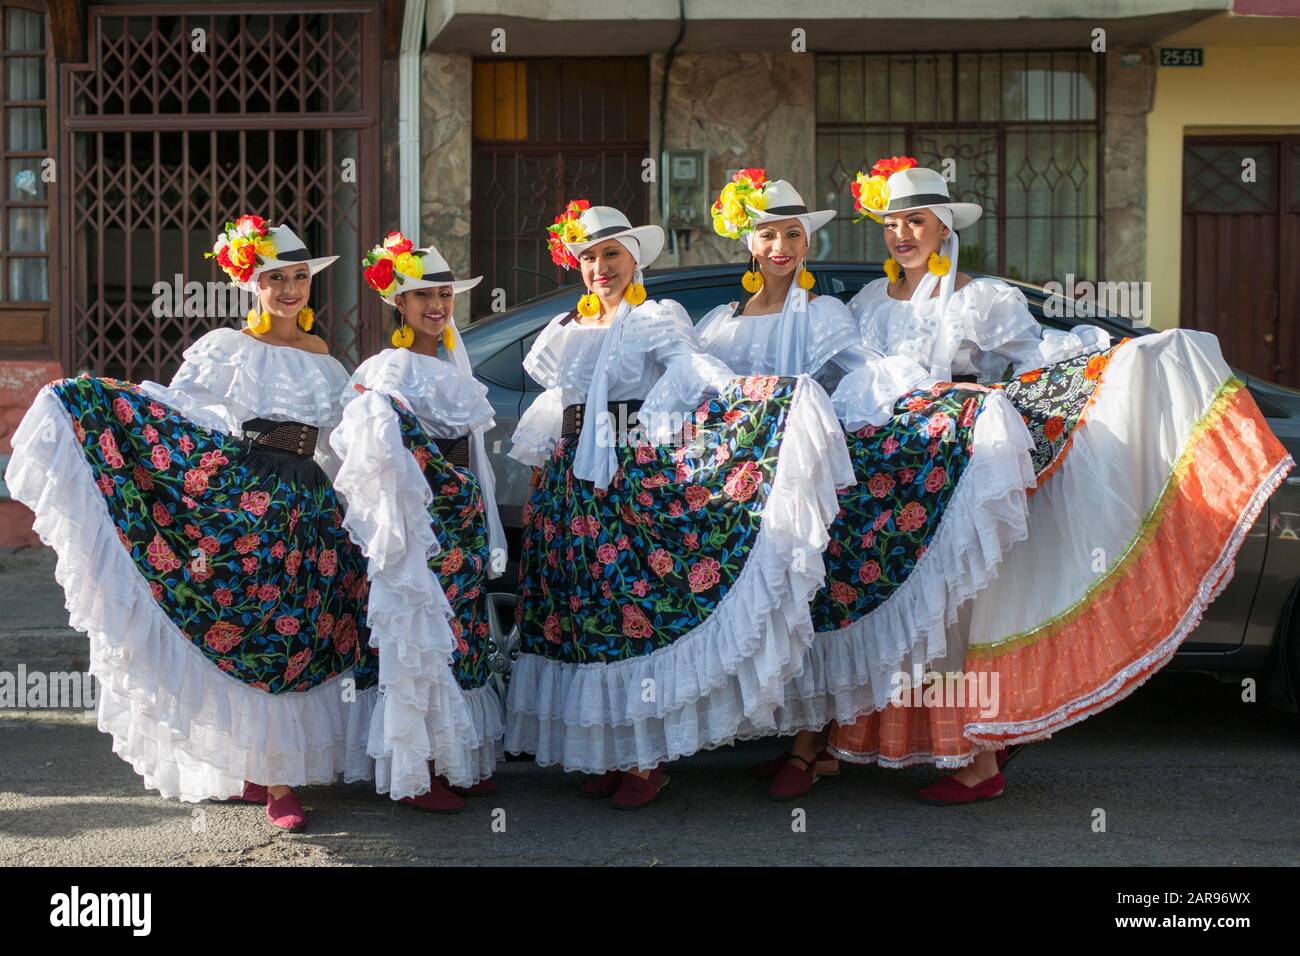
25,141
1022,131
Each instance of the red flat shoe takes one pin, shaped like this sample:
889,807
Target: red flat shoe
770,768
794,780
483,788
253,793
636,792
286,812
949,792
606,785
438,800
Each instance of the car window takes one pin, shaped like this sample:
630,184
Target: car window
844,285
505,368
699,300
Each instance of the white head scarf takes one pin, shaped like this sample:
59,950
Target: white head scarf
793,328
941,354
592,462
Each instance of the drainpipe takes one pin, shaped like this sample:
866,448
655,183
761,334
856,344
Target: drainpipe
663,121
408,119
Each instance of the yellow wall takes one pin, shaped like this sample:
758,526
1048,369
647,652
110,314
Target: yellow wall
1241,89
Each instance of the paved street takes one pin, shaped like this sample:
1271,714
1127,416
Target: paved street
1186,774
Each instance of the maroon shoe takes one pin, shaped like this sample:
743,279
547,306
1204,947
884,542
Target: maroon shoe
770,768
253,793
438,800
606,785
949,792
636,792
795,779
286,812
484,788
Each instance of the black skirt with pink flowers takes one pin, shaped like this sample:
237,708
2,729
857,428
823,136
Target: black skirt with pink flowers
241,545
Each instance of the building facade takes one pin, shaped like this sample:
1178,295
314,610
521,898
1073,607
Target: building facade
1158,145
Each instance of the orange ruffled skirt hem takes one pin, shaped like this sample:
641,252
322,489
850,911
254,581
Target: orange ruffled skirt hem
1124,630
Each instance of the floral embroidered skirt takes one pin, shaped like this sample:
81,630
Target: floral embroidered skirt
1152,462
939,497
459,523
664,614
226,605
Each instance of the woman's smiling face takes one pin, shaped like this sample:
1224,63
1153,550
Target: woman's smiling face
607,270
912,235
780,246
284,292
427,310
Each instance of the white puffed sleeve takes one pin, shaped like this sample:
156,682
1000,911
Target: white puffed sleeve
1058,346
872,328
448,402
539,428
546,359
866,395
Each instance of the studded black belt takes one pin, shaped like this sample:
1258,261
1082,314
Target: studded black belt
620,414
292,437
455,450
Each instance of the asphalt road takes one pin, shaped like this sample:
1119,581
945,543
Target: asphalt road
1186,773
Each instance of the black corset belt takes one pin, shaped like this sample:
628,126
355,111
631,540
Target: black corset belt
455,450
622,416
294,438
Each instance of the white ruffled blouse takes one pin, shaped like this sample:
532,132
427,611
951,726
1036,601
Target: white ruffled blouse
228,377
447,402
989,323
863,380
749,344
652,337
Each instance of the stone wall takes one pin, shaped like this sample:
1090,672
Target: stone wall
1130,91
446,155
744,109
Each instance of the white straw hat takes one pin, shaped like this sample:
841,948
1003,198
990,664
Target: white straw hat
272,247
920,188
606,222
784,202
436,273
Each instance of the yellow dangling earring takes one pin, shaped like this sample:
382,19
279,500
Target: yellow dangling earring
806,278
938,265
305,318
448,338
635,294
589,305
403,337
893,270
259,322
752,280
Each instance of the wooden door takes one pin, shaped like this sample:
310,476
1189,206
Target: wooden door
1241,239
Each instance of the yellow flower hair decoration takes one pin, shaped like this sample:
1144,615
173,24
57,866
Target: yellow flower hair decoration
389,263
731,218
871,192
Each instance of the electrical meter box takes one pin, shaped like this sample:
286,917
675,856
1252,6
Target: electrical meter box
687,192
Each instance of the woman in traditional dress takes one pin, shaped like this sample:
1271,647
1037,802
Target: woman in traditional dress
663,588
415,465
200,546
1152,463
940,489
